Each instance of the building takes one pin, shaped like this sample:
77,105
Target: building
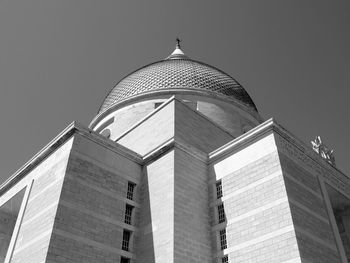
177,166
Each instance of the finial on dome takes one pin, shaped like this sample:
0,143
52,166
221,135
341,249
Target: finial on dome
178,43
177,53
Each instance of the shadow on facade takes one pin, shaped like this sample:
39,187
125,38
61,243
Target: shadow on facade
8,217
145,243
341,210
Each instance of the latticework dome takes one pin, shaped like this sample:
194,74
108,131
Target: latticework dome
177,71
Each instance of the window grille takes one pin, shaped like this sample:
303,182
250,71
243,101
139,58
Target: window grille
157,104
126,240
221,213
223,241
130,193
124,260
128,214
224,259
219,189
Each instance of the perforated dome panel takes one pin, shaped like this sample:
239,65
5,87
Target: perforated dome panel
177,73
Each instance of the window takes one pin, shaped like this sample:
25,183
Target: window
126,240
128,214
224,259
124,260
157,104
218,189
130,193
221,213
223,241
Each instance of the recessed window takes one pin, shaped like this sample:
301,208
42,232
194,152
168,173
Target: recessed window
124,260
224,259
130,193
218,189
126,240
221,213
157,104
223,241
128,214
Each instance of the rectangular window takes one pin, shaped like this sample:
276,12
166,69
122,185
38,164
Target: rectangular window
224,259
126,240
130,193
124,260
157,104
219,189
128,214
221,213
223,241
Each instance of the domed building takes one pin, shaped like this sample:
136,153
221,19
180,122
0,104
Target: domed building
177,166
202,87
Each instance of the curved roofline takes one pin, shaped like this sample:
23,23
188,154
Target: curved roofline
150,64
180,90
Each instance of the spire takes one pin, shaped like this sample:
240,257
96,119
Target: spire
177,53
178,43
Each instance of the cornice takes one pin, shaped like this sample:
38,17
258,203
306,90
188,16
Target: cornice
170,145
288,142
60,139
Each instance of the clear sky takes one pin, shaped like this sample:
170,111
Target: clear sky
59,59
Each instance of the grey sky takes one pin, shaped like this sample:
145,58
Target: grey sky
59,59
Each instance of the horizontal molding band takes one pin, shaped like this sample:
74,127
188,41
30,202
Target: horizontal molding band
105,192
250,213
316,239
93,243
98,216
261,239
247,187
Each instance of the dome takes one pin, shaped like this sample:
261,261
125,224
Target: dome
177,72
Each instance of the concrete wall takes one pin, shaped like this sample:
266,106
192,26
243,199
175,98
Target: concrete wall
128,116
225,116
152,132
155,242
277,208
175,120
174,218
90,216
258,224
7,224
192,128
192,237
37,223
312,218
74,204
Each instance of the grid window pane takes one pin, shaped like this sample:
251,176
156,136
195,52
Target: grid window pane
128,214
224,259
219,189
124,260
130,193
126,240
223,241
221,213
